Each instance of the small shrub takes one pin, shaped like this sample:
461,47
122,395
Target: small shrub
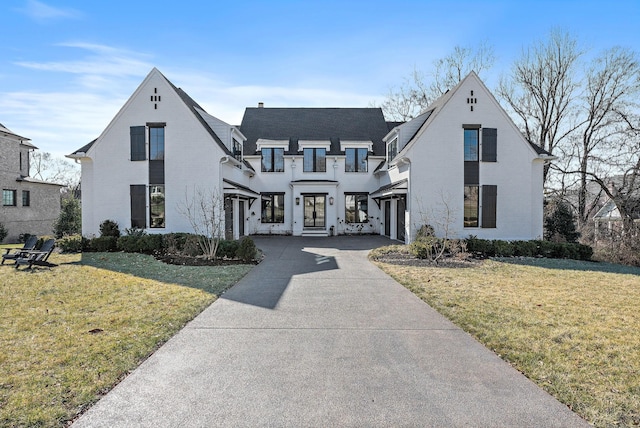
174,242
103,244
228,249
247,250
109,228
152,243
479,247
70,243
3,232
192,247
135,231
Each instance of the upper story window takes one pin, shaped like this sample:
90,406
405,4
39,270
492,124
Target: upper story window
315,160
471,141
8,198
156,143
392,149
272,159
237,150
356,160
26,198
138,143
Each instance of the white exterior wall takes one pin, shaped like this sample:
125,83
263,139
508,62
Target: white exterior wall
192,160
294,214
437,175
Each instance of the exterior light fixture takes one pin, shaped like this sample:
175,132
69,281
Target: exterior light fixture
331,200
297,200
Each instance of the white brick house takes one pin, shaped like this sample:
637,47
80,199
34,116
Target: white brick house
316,171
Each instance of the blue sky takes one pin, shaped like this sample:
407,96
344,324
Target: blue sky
67,66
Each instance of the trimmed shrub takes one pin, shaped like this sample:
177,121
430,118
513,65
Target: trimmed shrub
525,248
502,248
109,228
174,242
71,243
228,249
247,250
192,246
152,243
128,244
103,244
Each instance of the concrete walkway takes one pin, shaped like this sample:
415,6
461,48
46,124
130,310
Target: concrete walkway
316,336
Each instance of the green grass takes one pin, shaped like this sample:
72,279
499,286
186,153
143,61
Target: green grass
70,333
572,327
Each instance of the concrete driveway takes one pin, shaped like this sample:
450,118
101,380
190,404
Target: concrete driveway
316,336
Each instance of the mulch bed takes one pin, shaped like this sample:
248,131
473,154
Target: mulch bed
405,259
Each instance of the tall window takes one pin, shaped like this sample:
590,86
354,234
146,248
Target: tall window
355,160
392,149
272,208
471,199
156,143
26,198
471,144
272,159
315,160
356,208
237,150
156,206
8,198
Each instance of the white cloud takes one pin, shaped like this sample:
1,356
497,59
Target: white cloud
41,12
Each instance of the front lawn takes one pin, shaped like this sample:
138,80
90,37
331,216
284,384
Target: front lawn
572,327
70,333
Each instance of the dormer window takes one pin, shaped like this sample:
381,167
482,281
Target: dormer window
392,149
237,150
355,160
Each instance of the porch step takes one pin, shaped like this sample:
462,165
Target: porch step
318,233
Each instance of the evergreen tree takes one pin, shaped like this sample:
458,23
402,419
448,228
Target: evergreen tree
560,224
69,221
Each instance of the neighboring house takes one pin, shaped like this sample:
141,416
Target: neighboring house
316,171
28,205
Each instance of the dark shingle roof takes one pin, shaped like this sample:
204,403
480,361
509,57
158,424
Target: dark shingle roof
334,124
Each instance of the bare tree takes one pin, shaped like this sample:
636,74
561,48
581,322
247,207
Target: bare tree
44,166
415,94
540,90
204,210
607,139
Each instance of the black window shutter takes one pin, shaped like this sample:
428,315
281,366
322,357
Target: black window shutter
138,151
489,203
489,144
138,206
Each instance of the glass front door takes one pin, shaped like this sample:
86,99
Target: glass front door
314,210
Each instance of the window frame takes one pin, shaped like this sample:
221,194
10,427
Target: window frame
356,204
163,211
315,159
9,197
470,221
392,148
155,154
470,144
276,157
26,197
275,214
357,158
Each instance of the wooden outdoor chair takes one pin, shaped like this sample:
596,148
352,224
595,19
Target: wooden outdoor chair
14,253
38,258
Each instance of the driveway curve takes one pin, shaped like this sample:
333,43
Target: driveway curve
317,336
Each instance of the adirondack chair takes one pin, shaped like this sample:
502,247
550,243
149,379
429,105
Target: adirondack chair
14,253
38,258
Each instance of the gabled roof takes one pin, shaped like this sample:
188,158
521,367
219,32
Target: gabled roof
7,131
189,103
332,124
